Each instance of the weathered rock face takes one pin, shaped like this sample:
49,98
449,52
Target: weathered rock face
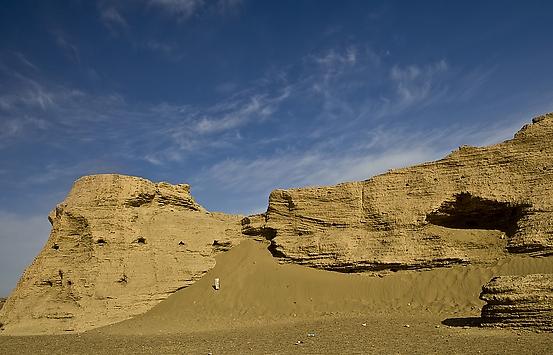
471,206
118,246
519,301
2,300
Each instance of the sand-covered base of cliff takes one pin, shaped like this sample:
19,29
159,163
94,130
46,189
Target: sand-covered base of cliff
264,307
256,291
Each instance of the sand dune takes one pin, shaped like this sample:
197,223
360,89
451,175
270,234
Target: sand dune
256,290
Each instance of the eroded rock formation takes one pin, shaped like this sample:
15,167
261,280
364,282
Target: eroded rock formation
471,206
118,246
519,301
2,300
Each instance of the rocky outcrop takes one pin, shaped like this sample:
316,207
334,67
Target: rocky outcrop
2,300
519,302
472,206
119,245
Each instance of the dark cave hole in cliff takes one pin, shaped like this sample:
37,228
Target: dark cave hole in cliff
140,240
123,279
101,241
275,252
473,212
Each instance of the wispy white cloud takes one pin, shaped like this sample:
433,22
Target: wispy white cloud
9,128
112,19
193,129
257,107
228,6
159,46
415,86
30,105
414,83
335,58
56,171
357,92
167,132
23,59
296,169
167,49
70,49
182,9
112,12
375,152
226,87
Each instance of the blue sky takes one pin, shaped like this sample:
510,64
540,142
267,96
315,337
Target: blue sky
239,97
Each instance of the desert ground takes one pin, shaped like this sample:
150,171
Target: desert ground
264,307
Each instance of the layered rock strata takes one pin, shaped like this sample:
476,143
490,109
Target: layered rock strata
472,206
519,302
118,246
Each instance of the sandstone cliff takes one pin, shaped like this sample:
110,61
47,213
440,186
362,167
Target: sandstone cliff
519,301
472,206
118,246
2,300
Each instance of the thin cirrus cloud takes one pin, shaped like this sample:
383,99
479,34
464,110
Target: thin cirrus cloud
163,133
377,151
414,83
347,139
112,18
112,13
70,49
116,17
182,9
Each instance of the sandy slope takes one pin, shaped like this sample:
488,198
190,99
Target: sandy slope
267,308
257,291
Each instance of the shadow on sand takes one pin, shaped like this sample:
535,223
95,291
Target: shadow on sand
462,322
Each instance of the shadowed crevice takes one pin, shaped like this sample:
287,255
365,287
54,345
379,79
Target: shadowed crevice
463,322
473,212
